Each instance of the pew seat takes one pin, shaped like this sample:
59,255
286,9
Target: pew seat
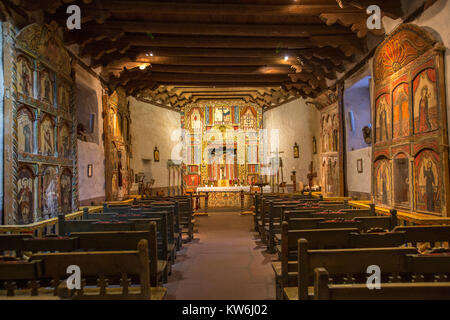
323,290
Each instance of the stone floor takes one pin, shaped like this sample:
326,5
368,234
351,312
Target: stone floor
224,262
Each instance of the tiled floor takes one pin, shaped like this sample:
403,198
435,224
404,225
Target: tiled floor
224,262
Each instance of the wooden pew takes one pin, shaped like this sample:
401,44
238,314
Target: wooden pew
65,227
172,207
323,290
103,264
165,237
127,240
186,218
165,250
344,263
429,234
337,238
11,242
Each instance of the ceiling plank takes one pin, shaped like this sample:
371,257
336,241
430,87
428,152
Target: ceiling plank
208,29
221,9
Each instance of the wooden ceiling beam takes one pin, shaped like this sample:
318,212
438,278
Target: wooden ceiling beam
207,29
210,52
168,8
119,64
221,70
185,77
278,43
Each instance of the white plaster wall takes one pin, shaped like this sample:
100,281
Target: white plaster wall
359,182
89,152
152,126
296,122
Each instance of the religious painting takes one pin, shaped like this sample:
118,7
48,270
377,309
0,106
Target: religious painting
196,124
46,85
66,191
335,140
156,154
401,180
296,151
119,125
249,119
383,119
425,102
428,181
400,98
383,182
114,123
192,180
115,185
64,96
126,129
25,196
331,177
47,132
407,64
24,76
64,142
222,115
49,195
25,131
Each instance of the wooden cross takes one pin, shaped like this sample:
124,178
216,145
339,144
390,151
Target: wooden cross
311,175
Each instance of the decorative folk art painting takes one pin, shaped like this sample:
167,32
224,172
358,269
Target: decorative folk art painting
329,137
411,141
117,145
44,185
214,147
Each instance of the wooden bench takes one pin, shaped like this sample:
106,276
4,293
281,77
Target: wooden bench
11,242
285,272
323,290
426,234
429,271
101,265
342,264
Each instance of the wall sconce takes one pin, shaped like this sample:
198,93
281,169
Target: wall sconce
89,170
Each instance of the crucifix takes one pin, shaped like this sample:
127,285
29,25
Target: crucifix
311,175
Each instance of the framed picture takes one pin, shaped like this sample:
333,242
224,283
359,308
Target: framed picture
156,154
359,165
296,151
89,170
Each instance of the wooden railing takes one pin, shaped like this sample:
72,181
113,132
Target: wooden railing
50,226
404,218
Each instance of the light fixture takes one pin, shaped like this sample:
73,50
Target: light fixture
151,54
286,58
142,66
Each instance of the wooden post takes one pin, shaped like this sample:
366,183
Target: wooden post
372,209
394,219
342,158
85,213
61,224
294,180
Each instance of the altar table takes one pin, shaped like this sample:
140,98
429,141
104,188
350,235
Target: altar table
227,197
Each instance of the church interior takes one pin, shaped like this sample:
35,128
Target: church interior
224,150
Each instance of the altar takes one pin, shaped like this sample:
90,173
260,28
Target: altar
228,197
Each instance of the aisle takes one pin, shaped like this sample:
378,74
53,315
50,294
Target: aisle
223,262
